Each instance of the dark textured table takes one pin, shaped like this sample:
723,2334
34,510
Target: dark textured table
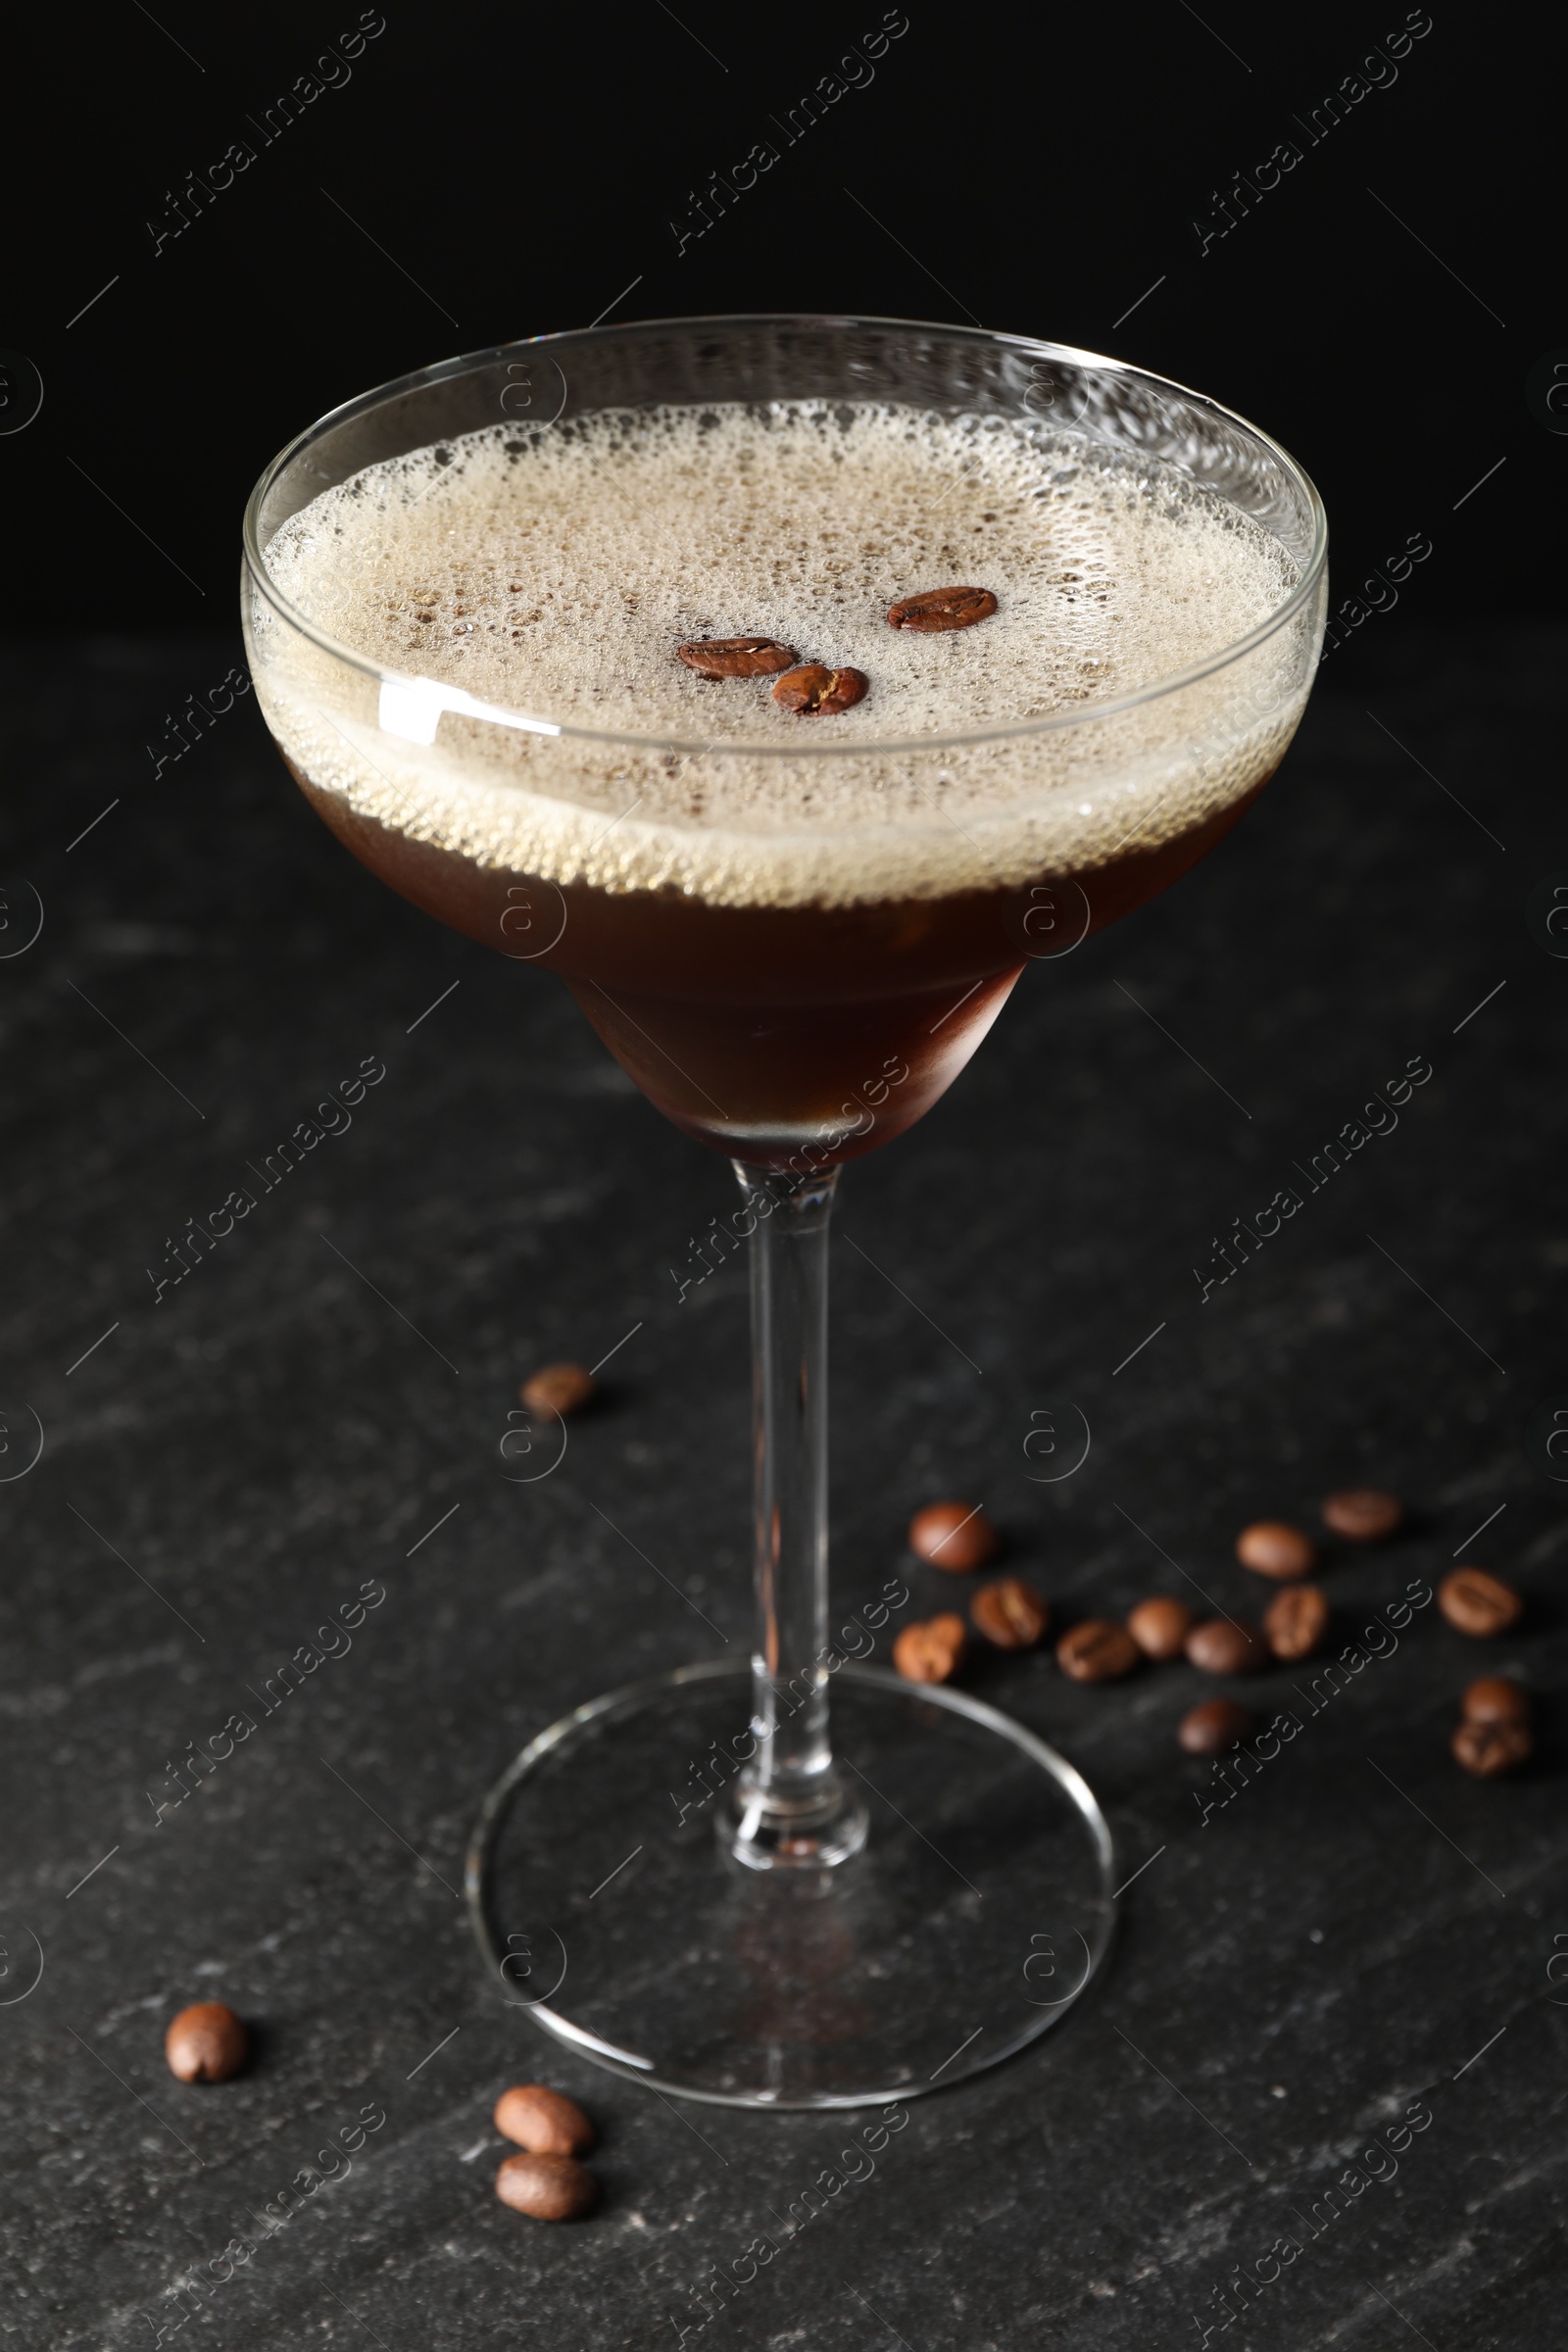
312,1414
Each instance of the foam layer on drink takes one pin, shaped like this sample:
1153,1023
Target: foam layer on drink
554,572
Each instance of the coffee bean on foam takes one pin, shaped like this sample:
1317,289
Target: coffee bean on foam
551,573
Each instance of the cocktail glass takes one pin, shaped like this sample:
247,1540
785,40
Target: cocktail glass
689,1879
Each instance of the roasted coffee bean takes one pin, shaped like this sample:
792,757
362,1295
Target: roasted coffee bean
1296,1621
1221,1647
1218,1723
737,657
1009,1613
1476,1602
812,688
1487,1748
206,2044
1160,1626
557,1389
1096,1651
1363,1514
931,1652
549,2188
543,2121
1272,1547
953,1534
941,609
1495,1700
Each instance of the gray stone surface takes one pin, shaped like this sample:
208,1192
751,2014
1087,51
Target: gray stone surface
230,1463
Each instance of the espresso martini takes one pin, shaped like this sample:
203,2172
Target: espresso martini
792,927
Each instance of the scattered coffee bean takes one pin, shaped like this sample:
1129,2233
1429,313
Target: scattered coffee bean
1096,1651
1220,1647
549,2188
1296,1621
558,1388
543,2121
941,609
1160,1626
1272,1547
931,1652
737,657
1487,1748
1009,1613
1476,1602
206,2044
953,1534
1218,1723
1363,1514
812,688
1495,1700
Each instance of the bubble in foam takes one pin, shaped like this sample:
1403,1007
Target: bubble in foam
556,572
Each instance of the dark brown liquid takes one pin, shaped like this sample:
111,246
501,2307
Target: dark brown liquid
786,1035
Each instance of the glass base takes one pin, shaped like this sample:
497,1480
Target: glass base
764,1833
610,1907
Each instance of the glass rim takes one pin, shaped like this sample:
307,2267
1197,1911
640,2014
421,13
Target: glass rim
754,748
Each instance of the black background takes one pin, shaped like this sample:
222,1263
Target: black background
1039,171
1365,1928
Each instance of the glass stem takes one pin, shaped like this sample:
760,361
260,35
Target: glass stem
792,1806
